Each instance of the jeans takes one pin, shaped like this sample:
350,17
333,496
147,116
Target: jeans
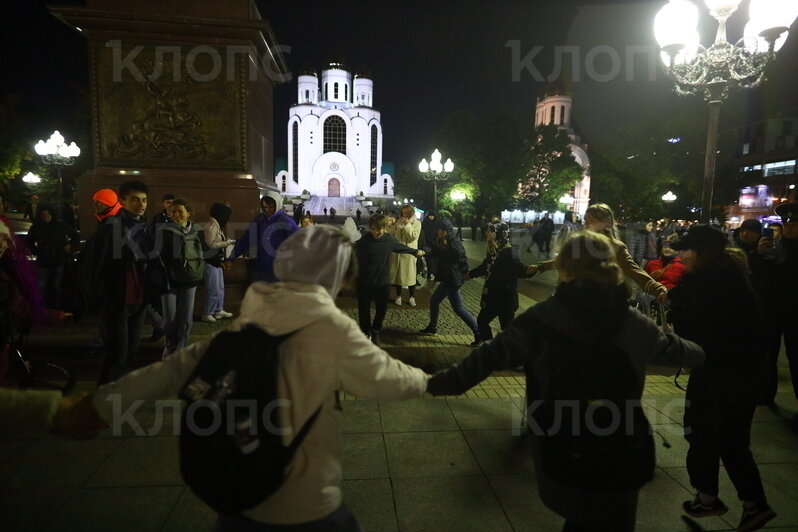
778,326
719,410
50,280
487,314
341,520
453,293
178,316
214,286
120,329
366,293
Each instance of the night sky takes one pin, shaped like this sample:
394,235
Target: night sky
427,60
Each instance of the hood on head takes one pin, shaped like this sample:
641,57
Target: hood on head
446,225
319,254
275,195
221,213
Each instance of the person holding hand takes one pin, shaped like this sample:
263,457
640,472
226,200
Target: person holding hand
402,267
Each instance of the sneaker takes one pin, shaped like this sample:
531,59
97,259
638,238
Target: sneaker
375,337
398,301
428,331
207,318
412,301
696,508
755,518
222,314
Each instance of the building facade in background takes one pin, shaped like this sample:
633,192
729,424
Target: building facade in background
555,109
334,138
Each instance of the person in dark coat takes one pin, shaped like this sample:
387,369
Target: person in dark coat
722,396
545,234
52,242
373,251
590,308
430,235
164,216
501,269
451,269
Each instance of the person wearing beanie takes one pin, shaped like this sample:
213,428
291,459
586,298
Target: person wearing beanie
106,204
501,269
216,247
721,396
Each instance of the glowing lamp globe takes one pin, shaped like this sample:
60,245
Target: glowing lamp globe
448,166
423,166
767,14
721,7
676,23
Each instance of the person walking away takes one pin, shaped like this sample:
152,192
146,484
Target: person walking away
779,282
587,329
722,396
181,251
127,275
545,234
215,247
324,353
430,229
265,234
501,269
373,285
457,218
52,242
451,270
402,267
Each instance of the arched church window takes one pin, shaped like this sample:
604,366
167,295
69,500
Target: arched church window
326,91
283,185
307,96
346,92
335,91
385,186
562,114
295,151
551,116
373,166
335,134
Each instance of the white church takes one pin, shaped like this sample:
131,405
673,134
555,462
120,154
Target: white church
334,138
555,109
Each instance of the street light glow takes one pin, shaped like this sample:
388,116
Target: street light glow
669,197
31,178
457,195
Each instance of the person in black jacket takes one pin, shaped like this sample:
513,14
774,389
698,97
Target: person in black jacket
373,251
429,231
450,271
501,269
165,216
52,242
722,396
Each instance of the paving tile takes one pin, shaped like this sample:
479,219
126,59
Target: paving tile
190,515
500,452
448,505
372,503
361,416
429,454
416,415
140,462
140,509
364,456
29,510
520,500
668,408
55,463
673,434
493,413
774,443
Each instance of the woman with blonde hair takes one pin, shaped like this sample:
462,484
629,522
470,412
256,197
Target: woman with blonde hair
583,343
402,268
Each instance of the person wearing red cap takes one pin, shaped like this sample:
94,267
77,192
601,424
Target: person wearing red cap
106,204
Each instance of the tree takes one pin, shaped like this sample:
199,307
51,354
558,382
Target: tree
553,170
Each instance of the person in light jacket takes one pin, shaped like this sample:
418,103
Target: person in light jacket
326,352
217,245
402,267
589,306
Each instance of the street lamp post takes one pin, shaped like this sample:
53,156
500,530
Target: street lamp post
55,152
723,67
435,171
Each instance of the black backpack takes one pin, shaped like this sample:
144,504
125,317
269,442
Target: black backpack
590,426
231,457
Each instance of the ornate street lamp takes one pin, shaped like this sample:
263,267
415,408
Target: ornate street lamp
567,200
723,67
435,171
669,197
56,152
31,178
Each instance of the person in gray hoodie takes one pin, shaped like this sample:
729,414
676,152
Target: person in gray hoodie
326,352
591,307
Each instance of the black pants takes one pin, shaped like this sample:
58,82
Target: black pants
120,328
488,313
410,289
366,293
719,410
432,265
782,325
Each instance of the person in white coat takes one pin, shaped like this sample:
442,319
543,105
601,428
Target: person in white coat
326,352
402,267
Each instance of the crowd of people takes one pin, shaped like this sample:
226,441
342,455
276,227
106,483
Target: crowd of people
586,335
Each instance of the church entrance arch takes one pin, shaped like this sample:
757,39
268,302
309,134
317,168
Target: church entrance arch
334,188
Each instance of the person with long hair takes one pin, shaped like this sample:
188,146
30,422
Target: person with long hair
402,268
722,396
217,247
451,271
587,319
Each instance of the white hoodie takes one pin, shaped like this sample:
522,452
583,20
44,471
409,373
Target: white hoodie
326,352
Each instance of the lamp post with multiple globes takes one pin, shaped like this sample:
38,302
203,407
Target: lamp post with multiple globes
722,67
56,152
435,171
